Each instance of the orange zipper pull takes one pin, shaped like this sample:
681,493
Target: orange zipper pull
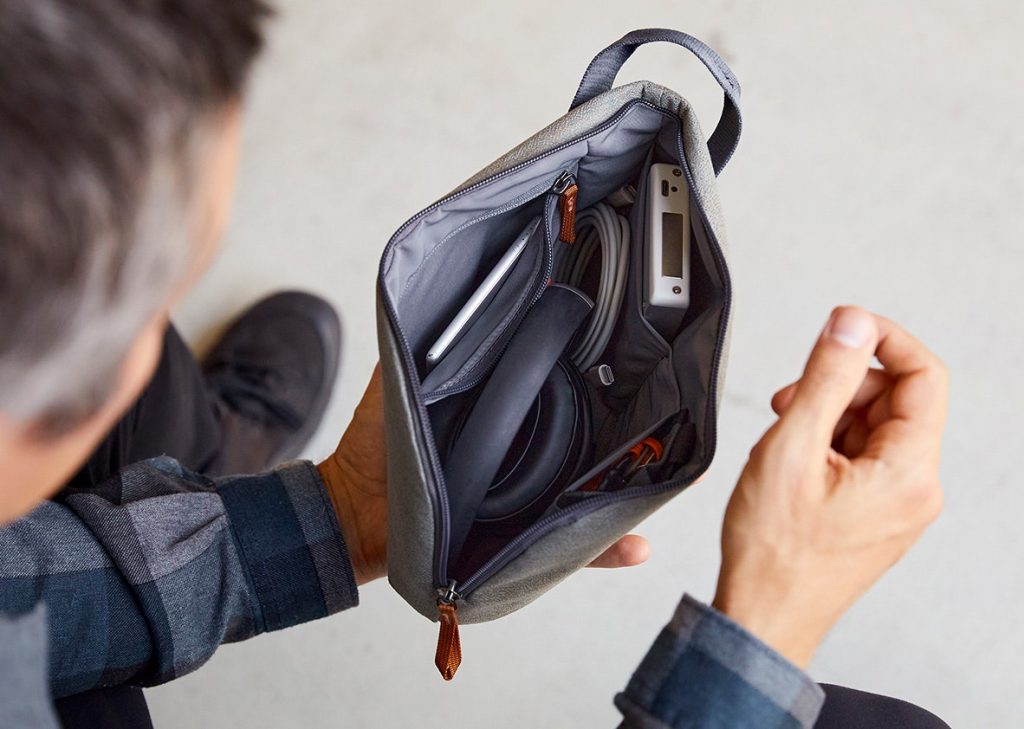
567,205
567,189
449,647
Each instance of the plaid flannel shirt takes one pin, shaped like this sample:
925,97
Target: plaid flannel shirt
144,577
140,580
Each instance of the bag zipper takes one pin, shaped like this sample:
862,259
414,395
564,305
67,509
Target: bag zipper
566,189
440,504
448,656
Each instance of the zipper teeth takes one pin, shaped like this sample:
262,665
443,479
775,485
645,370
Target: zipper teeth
442,515
710,428
483,371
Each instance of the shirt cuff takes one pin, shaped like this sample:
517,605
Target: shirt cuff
705,668
290,545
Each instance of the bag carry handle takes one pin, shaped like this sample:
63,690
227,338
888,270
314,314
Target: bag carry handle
600,75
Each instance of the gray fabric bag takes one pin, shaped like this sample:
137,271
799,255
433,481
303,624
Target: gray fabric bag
608,139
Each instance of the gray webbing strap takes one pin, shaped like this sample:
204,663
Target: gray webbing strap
600,75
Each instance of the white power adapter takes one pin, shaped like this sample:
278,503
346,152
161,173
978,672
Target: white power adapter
667,251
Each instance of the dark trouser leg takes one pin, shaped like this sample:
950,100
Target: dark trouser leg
847,708
173,416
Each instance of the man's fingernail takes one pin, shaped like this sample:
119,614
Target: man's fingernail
850,327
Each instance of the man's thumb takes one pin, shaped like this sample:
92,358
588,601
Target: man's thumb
835,370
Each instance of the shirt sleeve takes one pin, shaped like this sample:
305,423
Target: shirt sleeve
145,576
706,671
24,698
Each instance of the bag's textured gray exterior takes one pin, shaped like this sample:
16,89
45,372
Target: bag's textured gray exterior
410,503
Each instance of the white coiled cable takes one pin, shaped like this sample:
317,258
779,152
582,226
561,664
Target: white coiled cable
597,226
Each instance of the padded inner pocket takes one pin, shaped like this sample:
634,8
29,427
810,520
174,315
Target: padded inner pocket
490,329
459,260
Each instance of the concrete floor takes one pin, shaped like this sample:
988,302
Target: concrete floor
881,165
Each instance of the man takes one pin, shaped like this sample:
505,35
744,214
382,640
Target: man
118,137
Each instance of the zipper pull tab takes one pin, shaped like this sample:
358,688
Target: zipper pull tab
567,189
449,647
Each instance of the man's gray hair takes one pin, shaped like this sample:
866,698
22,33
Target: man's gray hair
105,112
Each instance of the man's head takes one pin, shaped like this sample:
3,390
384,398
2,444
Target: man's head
118,134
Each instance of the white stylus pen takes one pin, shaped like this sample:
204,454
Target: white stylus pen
494,278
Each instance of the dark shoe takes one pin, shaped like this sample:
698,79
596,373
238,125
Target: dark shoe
271,375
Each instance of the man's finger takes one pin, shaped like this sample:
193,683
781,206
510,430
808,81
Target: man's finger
921,384
782,398
905,425
835,370
629,551
874,384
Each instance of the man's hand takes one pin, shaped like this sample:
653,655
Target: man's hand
839,488
356,478
356,475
